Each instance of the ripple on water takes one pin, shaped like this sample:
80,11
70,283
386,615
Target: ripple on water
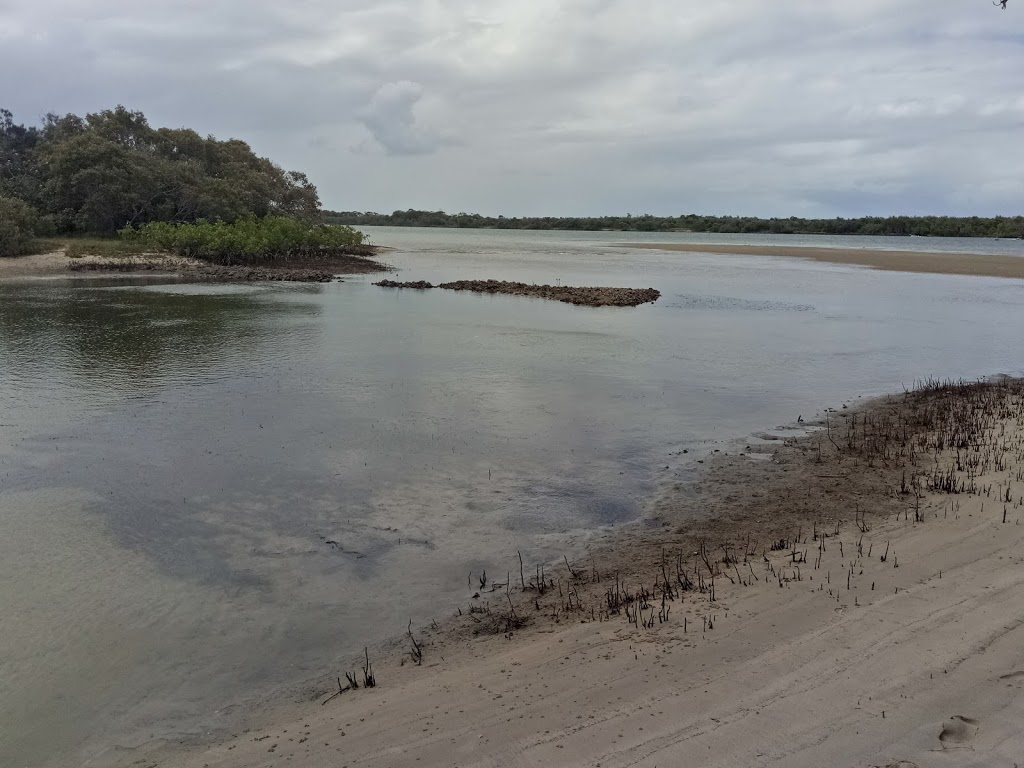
732,304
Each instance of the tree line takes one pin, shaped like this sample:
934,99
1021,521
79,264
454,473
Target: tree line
926,226
109,170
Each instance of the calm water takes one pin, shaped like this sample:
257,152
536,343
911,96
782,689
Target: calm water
209,492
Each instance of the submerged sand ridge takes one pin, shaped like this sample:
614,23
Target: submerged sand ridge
989,265
857,600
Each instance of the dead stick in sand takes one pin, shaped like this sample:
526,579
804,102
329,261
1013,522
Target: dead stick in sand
369,681
417,649
574,574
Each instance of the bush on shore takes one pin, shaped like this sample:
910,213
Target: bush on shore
248,241
17,226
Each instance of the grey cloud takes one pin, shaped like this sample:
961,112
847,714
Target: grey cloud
828,107
390,118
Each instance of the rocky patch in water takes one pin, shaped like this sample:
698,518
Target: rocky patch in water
262,275
419,284
585,296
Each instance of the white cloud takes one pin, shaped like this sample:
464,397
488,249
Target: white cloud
581,106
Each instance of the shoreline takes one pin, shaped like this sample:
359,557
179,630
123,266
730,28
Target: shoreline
780,652
930,262
59,264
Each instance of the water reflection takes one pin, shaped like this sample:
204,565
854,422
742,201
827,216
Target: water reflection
113,334
205,490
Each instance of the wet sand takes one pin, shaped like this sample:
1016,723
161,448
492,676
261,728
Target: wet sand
987,265
824,608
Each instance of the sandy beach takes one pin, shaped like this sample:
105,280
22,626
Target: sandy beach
36,265
853,597
59,264
988,265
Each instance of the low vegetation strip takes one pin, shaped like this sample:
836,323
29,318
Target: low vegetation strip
250,241
585,296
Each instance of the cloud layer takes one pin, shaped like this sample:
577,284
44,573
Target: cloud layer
802,107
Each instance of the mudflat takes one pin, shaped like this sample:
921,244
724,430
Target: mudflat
986,265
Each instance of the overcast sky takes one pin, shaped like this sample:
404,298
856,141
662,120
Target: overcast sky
529,107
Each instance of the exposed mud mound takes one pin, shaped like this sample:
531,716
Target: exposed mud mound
419,284
587,297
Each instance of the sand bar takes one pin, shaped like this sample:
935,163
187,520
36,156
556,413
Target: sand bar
896,640
987,265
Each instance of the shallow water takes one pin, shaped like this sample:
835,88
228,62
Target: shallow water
210,491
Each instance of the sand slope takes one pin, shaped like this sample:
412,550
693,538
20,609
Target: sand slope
899,646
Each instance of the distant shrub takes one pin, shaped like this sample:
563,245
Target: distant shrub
248,241
17,226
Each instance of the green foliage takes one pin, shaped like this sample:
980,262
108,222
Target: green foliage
17,226
42,245
247,241
933,226
111,169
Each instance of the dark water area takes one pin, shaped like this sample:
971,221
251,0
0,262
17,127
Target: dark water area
208,492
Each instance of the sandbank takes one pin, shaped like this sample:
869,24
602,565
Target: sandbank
987,265
36,265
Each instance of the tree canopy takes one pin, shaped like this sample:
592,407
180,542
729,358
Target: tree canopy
17,224
111,169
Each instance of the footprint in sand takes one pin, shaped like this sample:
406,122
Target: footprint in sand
902,764
958,732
